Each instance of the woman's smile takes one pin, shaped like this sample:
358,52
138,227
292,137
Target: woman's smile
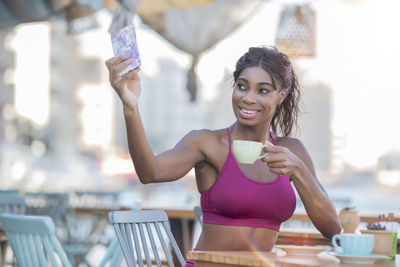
248,113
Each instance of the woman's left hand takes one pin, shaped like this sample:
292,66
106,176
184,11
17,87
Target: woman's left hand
282,161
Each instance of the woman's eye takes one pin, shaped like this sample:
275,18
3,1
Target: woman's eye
241,86
264,91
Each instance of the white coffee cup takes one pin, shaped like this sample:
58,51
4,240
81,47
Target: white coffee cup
247,151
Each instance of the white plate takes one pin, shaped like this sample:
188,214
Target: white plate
358,259
303,250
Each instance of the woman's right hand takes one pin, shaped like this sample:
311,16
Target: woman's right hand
126,86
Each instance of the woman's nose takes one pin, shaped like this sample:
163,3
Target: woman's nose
249,98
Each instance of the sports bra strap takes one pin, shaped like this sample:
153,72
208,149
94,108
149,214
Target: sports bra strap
229,136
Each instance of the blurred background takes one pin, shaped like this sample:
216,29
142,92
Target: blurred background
62,127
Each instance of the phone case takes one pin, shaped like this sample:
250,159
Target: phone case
124,43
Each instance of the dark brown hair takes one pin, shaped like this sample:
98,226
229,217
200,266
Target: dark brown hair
279,67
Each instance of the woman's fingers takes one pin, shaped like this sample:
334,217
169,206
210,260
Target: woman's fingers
118,68
133,74
276,165
115,66
274,149
110,63
272,157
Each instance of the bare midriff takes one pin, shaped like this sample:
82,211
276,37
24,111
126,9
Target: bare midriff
235,238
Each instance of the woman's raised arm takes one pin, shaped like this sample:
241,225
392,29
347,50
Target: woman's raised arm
168,166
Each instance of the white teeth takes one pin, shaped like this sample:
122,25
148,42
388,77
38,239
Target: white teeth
248,111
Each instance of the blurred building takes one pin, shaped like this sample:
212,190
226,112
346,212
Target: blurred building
315,124
166,113
69,70
6,88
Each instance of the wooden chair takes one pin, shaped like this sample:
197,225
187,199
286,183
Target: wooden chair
132,226
33,240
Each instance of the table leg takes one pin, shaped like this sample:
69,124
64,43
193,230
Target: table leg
186,234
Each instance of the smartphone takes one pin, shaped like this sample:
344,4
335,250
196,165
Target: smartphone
124,43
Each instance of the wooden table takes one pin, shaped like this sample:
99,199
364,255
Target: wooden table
301,237
268,259
173,213
367,218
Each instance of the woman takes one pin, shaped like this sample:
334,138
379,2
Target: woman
243,205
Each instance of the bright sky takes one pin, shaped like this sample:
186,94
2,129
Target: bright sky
358,57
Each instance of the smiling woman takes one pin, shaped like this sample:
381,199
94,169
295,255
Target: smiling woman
243,205
255,95
275,74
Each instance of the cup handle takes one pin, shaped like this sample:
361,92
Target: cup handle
335,244
263,156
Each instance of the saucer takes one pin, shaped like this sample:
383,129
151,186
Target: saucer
303,250
358,259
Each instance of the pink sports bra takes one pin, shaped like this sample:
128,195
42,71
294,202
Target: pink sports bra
237,200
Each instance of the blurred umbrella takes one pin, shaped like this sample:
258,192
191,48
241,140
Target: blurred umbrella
151,7
296,31
6,17
123,14
13,12
197,27
80,15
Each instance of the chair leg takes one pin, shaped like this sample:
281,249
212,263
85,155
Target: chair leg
71,258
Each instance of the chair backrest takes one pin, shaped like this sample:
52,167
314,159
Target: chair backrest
33,240
9,193
12,204
92,198
132,226
47,203
199,214
113,256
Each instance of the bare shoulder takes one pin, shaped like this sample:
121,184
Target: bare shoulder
294,144
203,137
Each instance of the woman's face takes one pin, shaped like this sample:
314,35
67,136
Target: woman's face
254,98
